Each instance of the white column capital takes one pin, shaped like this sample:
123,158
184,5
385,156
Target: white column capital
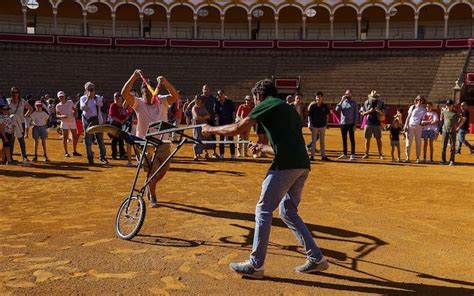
276,16
446,16
387,16
195,17
331,18
303,18
55,11
113,15
168,15
24,9
359,17
84,13
417,16
222,17
141,15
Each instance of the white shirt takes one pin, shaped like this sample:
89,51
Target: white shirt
66,108
39,118
91,109
417,114
147,114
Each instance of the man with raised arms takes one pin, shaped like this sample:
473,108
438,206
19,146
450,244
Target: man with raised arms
150,108
284,182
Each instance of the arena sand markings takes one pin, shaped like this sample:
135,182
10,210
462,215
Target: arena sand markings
387,228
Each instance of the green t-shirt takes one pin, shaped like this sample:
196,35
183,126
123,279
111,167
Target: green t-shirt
450,118
282,125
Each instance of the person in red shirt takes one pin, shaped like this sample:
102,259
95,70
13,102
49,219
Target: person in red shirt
242,112
118,115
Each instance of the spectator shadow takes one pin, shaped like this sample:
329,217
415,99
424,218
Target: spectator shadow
193,170
39,175
65,166
367,244
165,241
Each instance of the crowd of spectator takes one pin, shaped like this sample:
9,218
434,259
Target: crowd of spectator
71,115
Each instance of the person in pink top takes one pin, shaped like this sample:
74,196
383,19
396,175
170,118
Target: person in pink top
242,112
119,116
429,122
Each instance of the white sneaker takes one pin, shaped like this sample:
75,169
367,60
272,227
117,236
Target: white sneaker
451,163
353,157
342,156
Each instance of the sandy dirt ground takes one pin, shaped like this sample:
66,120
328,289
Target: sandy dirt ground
386,228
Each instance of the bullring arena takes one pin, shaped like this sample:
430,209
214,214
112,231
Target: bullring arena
385,227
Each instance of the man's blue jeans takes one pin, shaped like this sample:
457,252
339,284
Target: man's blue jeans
462,140
281,189
100,141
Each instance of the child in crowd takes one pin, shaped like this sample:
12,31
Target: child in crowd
53,121
6,133
429,123
39,120
395,131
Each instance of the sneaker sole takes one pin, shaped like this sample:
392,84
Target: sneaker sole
320,268
258,275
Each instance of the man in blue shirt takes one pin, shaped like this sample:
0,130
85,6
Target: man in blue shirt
225,114
349,117
90,104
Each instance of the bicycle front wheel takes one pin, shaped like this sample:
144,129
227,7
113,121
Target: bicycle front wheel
130,217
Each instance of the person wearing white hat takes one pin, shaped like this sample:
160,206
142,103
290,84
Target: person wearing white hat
65,111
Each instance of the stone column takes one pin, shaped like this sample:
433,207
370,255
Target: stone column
359,25
416,25
331,20
55,20
303,19
249,19
24,9
222,26
276,26
446,18
195,33
141,16
84,20
387,26
113,24
168,24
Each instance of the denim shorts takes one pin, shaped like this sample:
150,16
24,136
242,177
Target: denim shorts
40,132
428,135
395,143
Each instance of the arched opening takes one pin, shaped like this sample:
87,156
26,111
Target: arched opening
236,24
431,22
209,23
290,24
345,23
127,21
69,18
42,18
154,22
181,22
319,26
99,23
460,21
11,17
402,24
373,23
263,23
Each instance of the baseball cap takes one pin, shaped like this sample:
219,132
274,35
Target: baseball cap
39,103
449,102
61,94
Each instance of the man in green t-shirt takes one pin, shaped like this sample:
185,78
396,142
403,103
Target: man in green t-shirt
284,182
450,118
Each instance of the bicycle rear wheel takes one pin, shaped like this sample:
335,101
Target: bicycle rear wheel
128,223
